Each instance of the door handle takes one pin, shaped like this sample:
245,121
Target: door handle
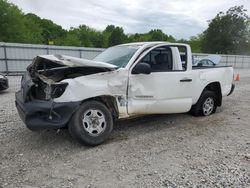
186,80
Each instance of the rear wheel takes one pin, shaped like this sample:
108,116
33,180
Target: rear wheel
206,104
91,124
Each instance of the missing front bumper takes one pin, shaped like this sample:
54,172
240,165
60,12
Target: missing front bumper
39,114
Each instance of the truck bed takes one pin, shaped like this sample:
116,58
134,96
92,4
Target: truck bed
209,67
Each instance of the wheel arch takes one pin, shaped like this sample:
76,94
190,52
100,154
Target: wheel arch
216,88
109,101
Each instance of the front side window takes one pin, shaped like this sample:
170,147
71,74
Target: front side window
160,59
118,55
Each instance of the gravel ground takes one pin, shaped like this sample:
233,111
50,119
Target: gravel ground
154,151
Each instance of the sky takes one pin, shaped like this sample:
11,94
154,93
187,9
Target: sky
179,18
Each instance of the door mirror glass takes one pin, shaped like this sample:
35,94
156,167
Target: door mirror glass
142,68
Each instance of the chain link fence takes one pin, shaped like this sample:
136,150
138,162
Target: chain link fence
14,57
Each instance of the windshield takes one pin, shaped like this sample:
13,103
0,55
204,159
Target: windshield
117,55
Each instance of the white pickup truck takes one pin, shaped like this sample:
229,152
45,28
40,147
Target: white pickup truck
126,80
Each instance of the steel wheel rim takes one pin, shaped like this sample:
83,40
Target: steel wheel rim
93,122
208,106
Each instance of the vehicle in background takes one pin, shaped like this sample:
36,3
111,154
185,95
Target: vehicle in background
127,80
4,83
210,60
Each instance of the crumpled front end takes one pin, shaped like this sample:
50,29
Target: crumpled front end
39,114
39,111
42,84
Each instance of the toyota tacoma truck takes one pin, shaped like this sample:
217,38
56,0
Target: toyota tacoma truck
87,96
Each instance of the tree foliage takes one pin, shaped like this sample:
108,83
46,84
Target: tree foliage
11,23
153,35
227,33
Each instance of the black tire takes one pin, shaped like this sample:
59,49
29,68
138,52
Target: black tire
77,126
198,110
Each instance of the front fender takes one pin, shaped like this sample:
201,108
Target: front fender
112,83
81,88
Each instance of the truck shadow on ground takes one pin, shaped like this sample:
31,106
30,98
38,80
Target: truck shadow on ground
128,128
4,92
123,130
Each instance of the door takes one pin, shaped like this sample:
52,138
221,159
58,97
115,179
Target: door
166,89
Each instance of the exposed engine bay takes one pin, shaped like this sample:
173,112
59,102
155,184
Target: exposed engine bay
48,72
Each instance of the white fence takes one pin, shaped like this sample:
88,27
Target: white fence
14,58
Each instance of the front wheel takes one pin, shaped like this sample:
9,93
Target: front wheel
91,124
206,104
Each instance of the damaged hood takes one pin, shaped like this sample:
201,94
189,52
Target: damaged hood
76,62
54,68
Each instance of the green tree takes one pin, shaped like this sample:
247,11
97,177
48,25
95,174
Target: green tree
106,35
157,35
71,39
153,35
12,28
138,37
248,36
117,36
15,26
195,43
52,32
45,30
33,29
227,32
84,35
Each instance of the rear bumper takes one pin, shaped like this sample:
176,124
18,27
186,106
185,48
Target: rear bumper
232,90
4,83
39,114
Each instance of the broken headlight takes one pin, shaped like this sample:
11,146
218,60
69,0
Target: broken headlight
55,90
58,89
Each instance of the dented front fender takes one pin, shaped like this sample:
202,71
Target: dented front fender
113,83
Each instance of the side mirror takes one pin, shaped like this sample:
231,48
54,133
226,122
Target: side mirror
142,68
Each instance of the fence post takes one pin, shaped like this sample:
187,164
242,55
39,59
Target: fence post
6,59
235,61
242,65
80,53
226,60
248,62
47,49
